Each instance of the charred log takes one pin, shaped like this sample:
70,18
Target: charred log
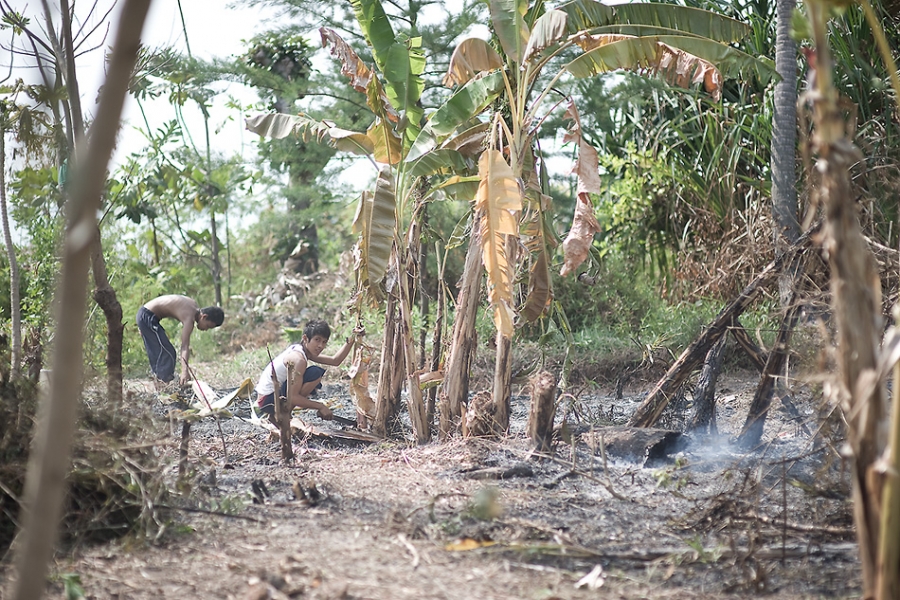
704,418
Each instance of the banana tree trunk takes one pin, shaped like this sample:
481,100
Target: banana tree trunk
385,404
856,295
414,400
455,390
503,364
437,342
888,578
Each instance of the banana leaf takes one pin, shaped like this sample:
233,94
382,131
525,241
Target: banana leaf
498,202
508,19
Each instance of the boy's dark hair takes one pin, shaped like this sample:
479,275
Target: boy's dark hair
214,314
317,327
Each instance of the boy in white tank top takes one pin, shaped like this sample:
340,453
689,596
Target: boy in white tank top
307,377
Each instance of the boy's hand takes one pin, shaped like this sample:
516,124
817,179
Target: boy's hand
356,337
325,413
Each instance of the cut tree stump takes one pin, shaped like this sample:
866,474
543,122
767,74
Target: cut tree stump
543,410
183,450
479,420
283,413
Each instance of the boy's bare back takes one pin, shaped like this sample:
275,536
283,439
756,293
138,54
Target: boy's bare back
174,306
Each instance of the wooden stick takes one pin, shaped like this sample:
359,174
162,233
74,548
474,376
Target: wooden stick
287,452
888,566
284,416
183,449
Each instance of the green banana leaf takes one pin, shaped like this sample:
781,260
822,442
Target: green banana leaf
401,63
585,15
467,102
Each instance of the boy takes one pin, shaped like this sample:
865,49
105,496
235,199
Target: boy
159,349
307,378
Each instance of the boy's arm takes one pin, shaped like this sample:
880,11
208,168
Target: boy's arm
186,330
304,402
337,359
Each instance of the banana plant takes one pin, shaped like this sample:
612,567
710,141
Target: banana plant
536,47
386,218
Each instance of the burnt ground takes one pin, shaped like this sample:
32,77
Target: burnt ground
486,518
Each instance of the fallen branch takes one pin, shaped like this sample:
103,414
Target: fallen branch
707,556
573,471
210,512
752,517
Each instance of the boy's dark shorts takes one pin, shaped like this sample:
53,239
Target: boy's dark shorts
266,403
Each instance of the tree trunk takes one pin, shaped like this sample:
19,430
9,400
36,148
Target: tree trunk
503,363
15,305
106,299
784,142
437,342
543,410
104,294
455,390
856,296
391,371
752,431
49,460
651,408
283,412
183,453
502,382
889,543
414,400
216,263
776,362
704,419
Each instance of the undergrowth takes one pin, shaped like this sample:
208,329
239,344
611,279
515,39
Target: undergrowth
116,483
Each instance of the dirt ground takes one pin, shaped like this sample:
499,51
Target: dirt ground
483,518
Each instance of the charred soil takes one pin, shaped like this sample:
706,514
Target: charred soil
490,518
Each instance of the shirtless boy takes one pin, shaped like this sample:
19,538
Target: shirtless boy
159,349
307,377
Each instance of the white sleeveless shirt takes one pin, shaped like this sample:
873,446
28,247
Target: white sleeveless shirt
264,385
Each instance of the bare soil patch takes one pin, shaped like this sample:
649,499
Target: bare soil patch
482,518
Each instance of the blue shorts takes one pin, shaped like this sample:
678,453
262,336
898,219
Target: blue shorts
159,349
266,403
